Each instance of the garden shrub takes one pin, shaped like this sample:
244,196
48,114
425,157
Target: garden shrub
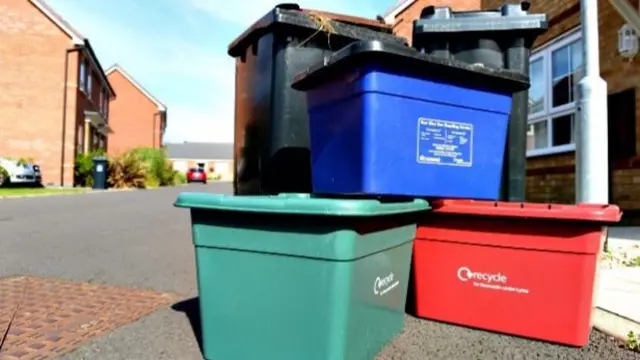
158,166
139,168
179,178
83,170
4,176
127,171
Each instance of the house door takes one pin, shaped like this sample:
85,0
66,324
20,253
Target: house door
622,130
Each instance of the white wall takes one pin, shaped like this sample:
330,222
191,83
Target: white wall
180,165
222,167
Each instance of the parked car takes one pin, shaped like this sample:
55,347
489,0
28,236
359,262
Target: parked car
20,172
196,175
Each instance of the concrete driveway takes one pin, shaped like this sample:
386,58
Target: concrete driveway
137,239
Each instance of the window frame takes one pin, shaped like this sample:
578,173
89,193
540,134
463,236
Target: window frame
82,74
548,112
105,103
101,101
90,86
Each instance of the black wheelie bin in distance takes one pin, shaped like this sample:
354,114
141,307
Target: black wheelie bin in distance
271,150
499,38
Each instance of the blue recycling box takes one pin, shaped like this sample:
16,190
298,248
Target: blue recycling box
385,119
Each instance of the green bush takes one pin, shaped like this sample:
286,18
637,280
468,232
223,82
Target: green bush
127,171
25,160
214,176
4,176
83,171
179,178
633,341
158,168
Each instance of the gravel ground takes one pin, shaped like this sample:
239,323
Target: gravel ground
138,239
431,340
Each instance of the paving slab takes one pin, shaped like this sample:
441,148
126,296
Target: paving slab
619,301
45,318
618,312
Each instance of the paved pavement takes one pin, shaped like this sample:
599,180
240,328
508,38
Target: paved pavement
619,284
619,294
138,239
620,291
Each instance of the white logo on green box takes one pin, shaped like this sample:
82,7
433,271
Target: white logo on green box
383,285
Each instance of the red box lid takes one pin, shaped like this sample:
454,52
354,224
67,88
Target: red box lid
580,212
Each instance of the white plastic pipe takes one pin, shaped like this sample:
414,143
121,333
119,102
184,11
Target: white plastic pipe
592,151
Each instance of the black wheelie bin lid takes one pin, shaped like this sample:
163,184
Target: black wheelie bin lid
403,59
508,17
309,22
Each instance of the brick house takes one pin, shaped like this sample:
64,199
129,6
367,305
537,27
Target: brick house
404,12
137,118
556,67
215,158
55,96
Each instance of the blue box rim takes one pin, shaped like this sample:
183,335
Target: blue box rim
401,57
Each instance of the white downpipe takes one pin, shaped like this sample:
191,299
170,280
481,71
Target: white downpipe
592,158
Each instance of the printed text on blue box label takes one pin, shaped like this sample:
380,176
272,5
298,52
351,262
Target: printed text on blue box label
443,142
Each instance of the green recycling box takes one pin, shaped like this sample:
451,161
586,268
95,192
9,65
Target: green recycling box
293,277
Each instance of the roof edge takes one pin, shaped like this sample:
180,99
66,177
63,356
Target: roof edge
136,84
390,14
94,58
74,34
78,40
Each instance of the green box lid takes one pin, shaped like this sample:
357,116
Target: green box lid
302,204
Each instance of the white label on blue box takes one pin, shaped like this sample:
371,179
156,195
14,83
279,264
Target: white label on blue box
443,142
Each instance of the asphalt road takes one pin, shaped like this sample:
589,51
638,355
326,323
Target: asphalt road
138,239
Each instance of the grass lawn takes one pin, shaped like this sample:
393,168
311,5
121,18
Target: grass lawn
38,191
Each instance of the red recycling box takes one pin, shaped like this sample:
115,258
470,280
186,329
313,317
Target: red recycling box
516,268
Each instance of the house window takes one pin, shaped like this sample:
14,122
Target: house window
105,104
83,75
89,85
554,72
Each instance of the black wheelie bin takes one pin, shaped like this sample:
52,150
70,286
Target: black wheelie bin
500,38
271,151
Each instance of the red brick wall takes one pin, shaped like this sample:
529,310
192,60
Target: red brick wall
32,83
91,101
133,117
552,178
